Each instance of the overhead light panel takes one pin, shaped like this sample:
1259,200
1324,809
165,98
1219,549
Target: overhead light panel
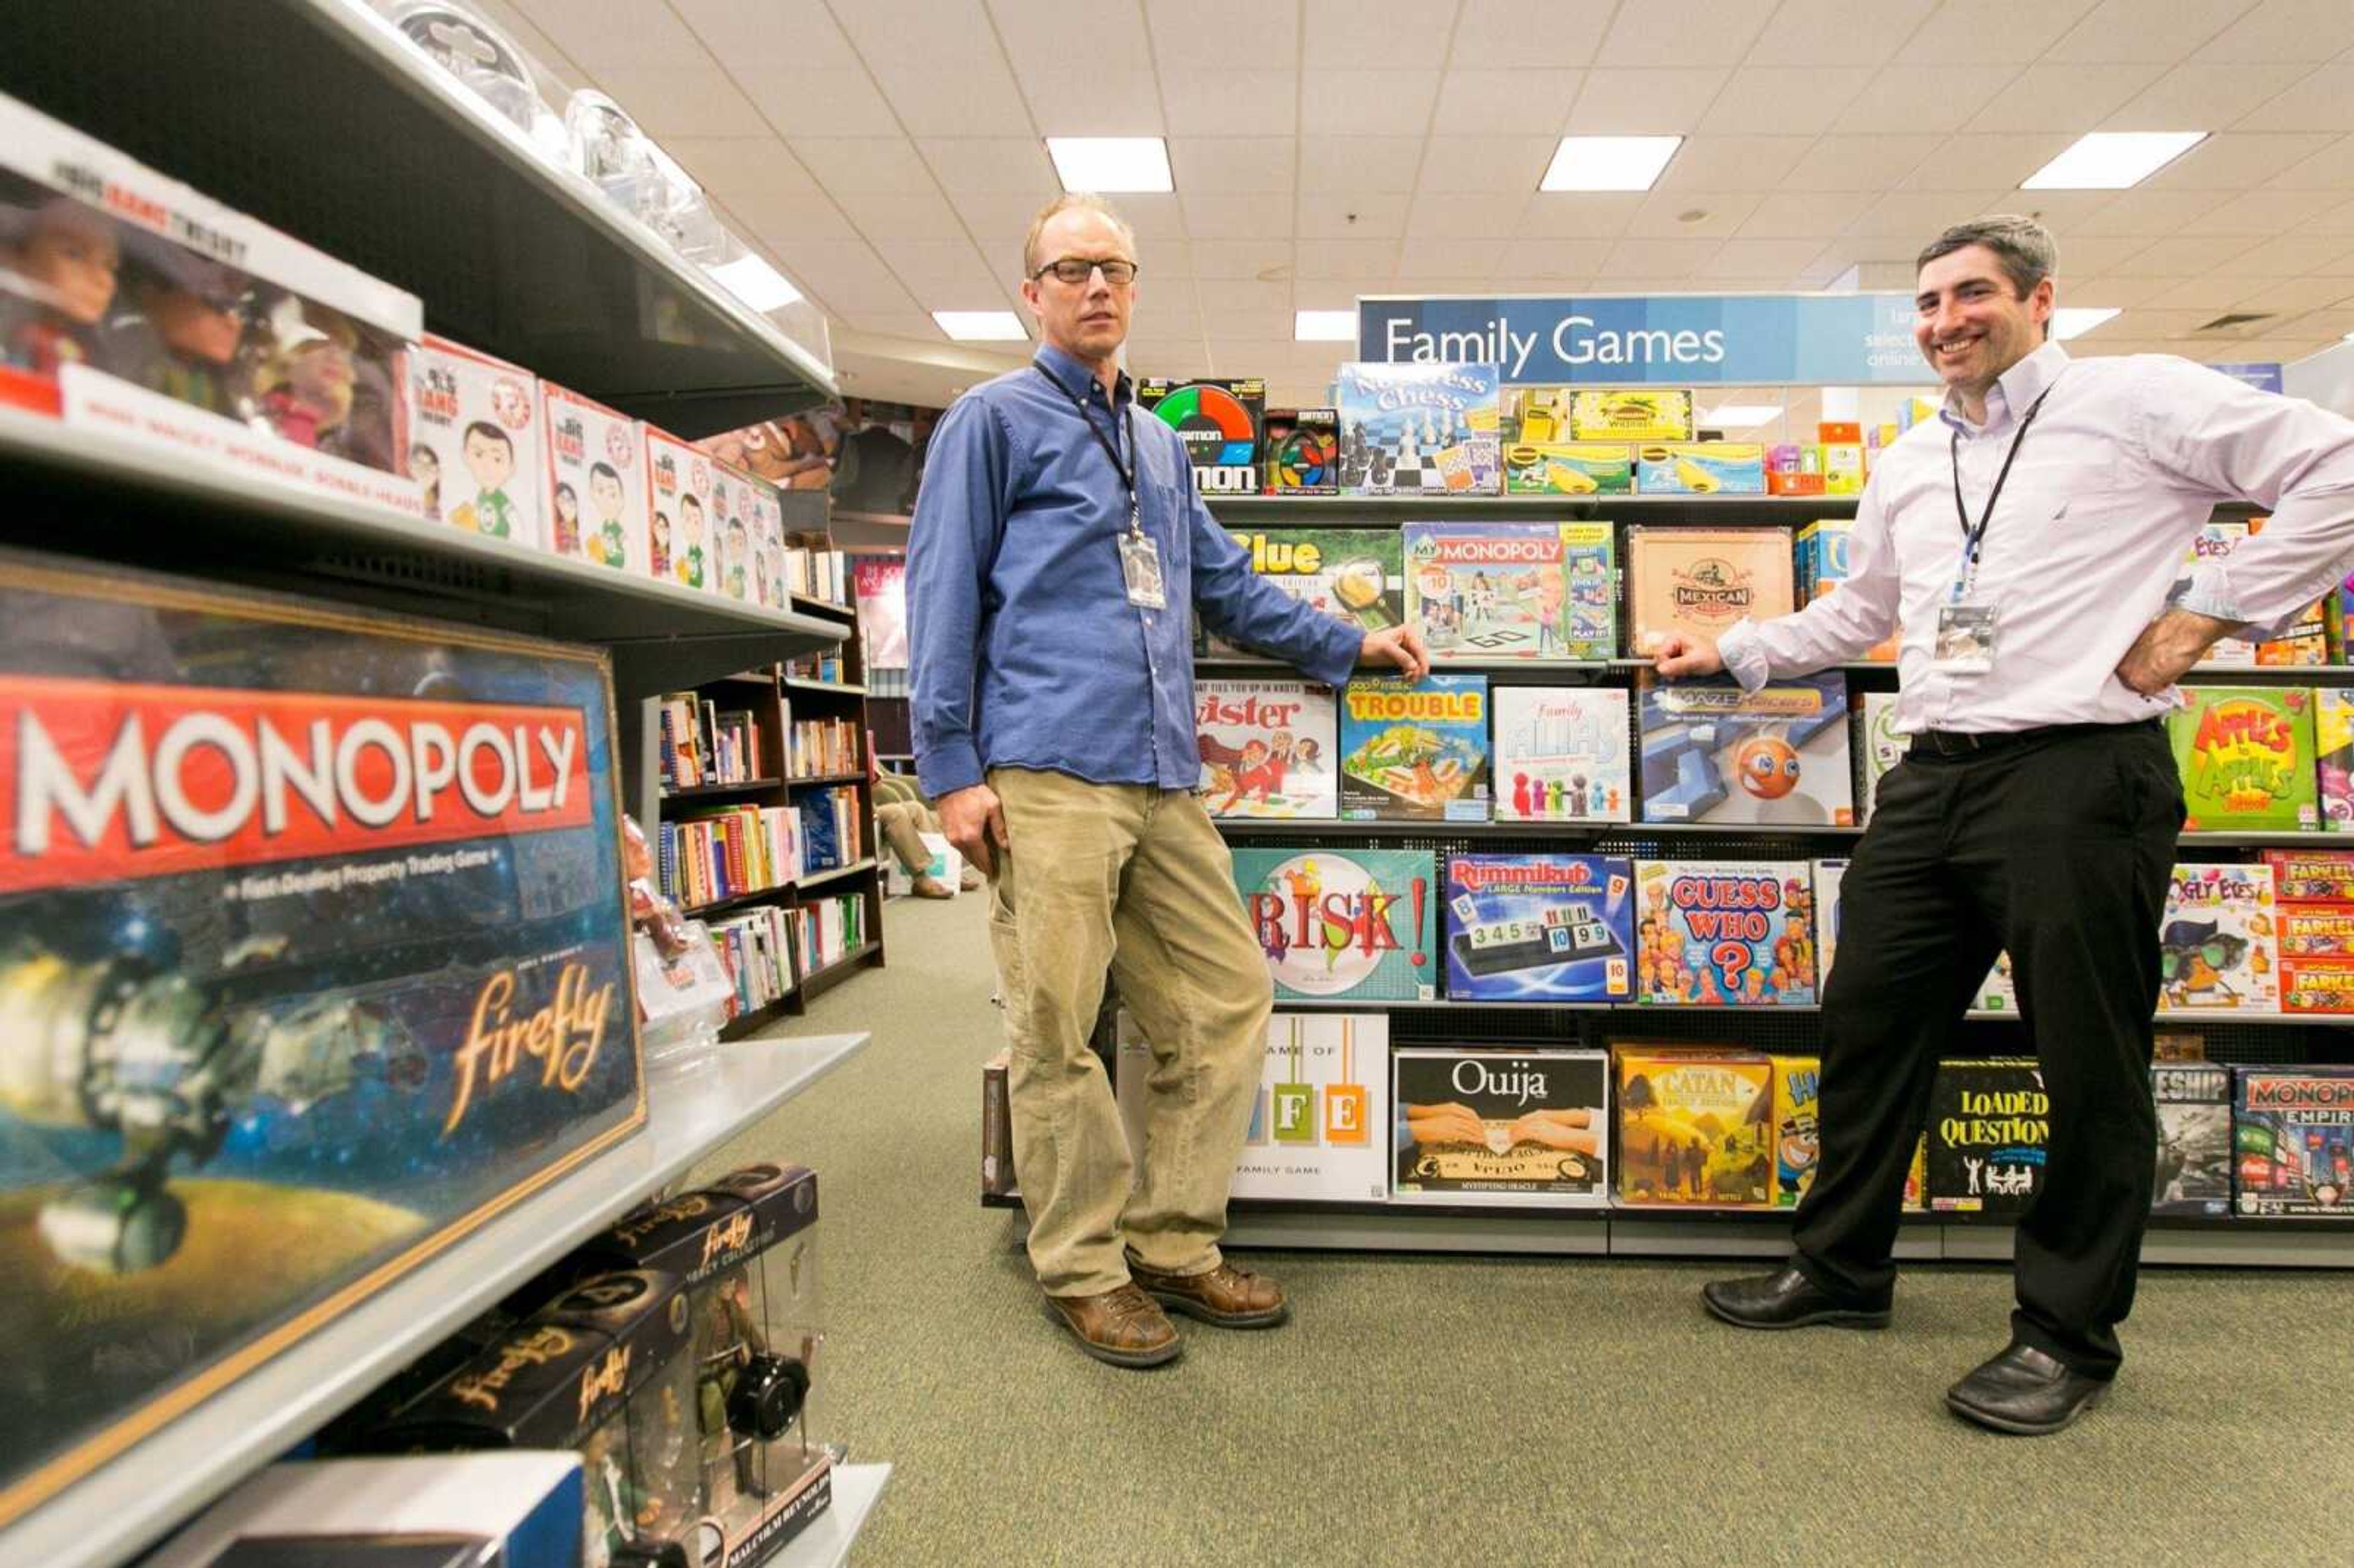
751,280
980,326
1324,326
2111,160
1105,164
1742,416
1608,163
2074,320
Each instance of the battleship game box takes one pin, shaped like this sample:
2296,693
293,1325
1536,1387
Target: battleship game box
1695,1128
1724,933
1348,573
1989,1123
2293,1140
1414,748
2194,1137
1220,423
1353,924
1501,1128
1540,928
316,957
1715,753
1561,754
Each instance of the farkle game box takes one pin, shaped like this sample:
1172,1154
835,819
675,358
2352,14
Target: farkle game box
349,890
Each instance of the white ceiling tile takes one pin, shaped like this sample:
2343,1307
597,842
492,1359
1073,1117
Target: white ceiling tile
1240,165
1919,216
2210,294
2300,294
1324,295
1385,164
527,35
2339,220
1110,36
996,215
1171,259
1352,260
1991,31
1732,162
2163,31
1212,214
2082,255
1167,311
1486,165
1783,101
1984,161
1923,97
865,166
699,99
2330,169
1230,102
1662,258
2176,256
2062,212
1211,35
1225,297
750,166
599,33
2115,291
1858,163
887,217
913,29
1083,101
1838,32
1579,215
776,219
2194,98
1488,218
1152,215
973,98
1241,258
940,260
2317,103
1669,215
1361,214
2282,30
1618,102
2291,255
801,102
1367,103
1276,322
1524,262
2069,98
1804,215
1372,34
1502,32
2153,213
918,325
1827,269
942,294
757,34
2254,212
1504,102
1012,165
1432,257
1638,37
2234,161
1761,258
848,274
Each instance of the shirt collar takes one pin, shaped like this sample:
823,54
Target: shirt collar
1075,378
2013,392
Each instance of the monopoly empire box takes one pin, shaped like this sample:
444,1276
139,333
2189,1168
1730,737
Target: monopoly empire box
314,953
1500,1128
1355,923
2293,1133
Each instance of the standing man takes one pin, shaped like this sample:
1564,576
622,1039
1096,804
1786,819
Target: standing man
1058,546
2027,542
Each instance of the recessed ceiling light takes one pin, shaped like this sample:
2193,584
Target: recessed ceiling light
1324,326
980,326
751,280
2074,320
2111,160
1741,416
1608,163
1106,163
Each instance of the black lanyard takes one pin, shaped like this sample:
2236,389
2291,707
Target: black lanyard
1127,476
1973,537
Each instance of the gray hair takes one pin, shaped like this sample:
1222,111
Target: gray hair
1065,203
2025,248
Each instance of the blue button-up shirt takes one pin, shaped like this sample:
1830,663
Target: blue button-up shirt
1025,651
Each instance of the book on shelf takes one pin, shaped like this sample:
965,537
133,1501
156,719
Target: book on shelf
757,948
812,571
818,748
828,930
703,746
833,828
825,667
727,853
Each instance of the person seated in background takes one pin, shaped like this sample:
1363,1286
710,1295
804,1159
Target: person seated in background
901,816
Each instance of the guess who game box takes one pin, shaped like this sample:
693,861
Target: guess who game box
1267,747
1420,429
596,482
2220,946
477,442
1561,754
2292,1132
1353,574
1414,749
1715,753
1695,1128
1502,1128
1724,933
2246,758
316,957
1220,423
1988,1124
1336,924
1494,591
1540,928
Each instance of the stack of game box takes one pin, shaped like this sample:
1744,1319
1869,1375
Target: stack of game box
2246,756
2313,890
1724,933
2292,1129
1824,550
1695,1128
758,953
828,932
2223,939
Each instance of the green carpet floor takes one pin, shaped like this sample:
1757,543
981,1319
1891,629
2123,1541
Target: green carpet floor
1447,1410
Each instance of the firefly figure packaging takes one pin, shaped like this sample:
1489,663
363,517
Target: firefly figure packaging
1353,924
1501,1128
596,482
2293,1135
1540,928
1715,753
1695,1128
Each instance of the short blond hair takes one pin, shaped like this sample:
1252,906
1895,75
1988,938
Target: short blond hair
1068,201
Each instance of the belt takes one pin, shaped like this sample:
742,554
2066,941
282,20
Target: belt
1972,743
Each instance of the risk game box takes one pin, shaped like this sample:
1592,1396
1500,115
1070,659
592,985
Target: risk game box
2293,1134
1494,1127
1301,450
2194,1137
2219,947
1703,580
1419,428
1561,754
596,508
1988,1124
1715,753
1414,749
1540,928
2246,758
478,441
1355,574
1266,749
1724,933
684,535
1502,591
1339,924
1798,1126
1880,746
1219,421
1695,1128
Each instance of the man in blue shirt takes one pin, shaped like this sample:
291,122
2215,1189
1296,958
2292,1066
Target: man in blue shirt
1057,546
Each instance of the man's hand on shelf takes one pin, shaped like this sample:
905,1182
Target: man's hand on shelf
1399,645
1680,654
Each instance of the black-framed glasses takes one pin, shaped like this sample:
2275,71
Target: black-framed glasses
1118,271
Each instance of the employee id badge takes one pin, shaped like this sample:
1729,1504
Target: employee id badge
1140,566
1965,633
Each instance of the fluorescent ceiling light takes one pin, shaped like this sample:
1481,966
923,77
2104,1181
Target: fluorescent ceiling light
2111,160
1324,326
751,280
1106,163
2076,321
1742,416
1608,163
980,326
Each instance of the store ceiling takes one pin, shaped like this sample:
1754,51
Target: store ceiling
887,155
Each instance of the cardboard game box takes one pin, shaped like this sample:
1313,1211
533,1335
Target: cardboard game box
1355,574
2333,744
1701,468
742,549
1266,749
1220,423
1501,591
2293,1134
1319,1123
1695,1128
2194,1137
1419,428
1414,749
1540,928
1879,746
2246,756
1343,924
1831,876
1567,468
1302,451
2214,542
1824,562
1988,1124
2220,945
680,480
477,442
1798,1126
596,484
1715,753
1703,580
1630,414
1724,933
1561,754
1501,1128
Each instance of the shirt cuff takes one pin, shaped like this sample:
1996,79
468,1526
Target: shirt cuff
945,769
1743,653
1336,659
2212,593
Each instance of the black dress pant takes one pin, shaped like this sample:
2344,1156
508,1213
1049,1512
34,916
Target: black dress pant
2058,846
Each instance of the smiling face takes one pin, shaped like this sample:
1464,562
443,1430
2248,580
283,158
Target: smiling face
1086,321
1971,322
489,458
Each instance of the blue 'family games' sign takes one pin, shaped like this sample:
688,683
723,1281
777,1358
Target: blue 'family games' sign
1685,340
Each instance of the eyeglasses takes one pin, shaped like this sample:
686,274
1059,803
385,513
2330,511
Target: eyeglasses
1076,270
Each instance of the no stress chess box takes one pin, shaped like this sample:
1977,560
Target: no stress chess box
596,482
2218,942
477,442
2194,1137
1989,1122
1357,923
1414,749
1507,1129
1353,574
1419,428
1561,754
1695,1128
1540,928
2293,1133
1724,933
1267,747
1715,753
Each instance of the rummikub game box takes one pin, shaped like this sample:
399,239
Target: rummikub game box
1512,1129
1715,753
2194,1137
1989,1123
1267,747
2293,1136
2219,947
1695,1128
1540,928
1724,933
1343,924
1561,754
1414,749
1351,573
1703,580
1419,428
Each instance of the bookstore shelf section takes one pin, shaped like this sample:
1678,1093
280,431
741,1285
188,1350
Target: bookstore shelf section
110,1516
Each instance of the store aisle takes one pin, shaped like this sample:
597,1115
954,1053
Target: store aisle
1447,1410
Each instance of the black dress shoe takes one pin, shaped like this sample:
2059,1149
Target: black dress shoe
1788,1300
2024,1391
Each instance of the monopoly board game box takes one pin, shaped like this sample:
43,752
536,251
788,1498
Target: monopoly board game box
1511,590
1414,748
316,953
1419,428
1715,753
1220,423
1989,1123
1353,573
2293,1136
2194,1137
1501,1128
1540,928
2246,754
1356,923
1695,1128
1724,933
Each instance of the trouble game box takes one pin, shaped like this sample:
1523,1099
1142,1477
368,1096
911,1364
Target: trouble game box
1503,1128
1724,933
2246,756
2293,1133
1414,749
1356,923
1540,928
1715,753
1695,1128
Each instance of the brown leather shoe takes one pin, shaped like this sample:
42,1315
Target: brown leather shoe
1225,1297
1120,1326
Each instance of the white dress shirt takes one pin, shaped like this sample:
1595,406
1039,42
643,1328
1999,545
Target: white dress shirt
2121,468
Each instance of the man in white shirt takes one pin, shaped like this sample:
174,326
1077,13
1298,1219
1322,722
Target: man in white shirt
2027,543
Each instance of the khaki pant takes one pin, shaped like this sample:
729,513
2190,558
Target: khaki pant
1134,881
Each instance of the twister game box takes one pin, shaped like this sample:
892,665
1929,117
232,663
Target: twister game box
1540,928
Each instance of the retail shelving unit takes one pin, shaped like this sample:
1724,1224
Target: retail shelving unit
842,698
